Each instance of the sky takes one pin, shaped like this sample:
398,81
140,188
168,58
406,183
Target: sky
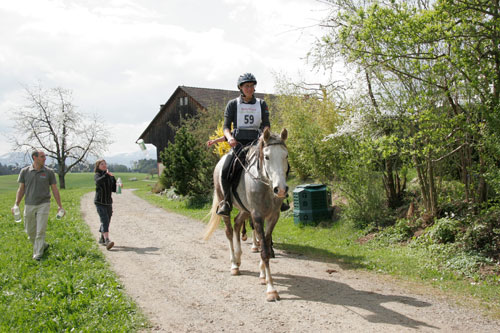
122,59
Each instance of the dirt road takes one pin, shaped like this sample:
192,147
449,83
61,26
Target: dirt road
184,284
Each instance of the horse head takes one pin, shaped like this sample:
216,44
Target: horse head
274,160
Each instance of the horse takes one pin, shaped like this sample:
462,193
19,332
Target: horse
259,194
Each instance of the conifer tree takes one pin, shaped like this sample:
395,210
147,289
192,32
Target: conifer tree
187,166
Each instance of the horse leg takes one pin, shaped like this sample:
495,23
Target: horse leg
265,272
255,240
271,248
244,231
238,221
229,236
269,237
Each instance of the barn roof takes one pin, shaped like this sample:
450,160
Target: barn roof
204,97
208,96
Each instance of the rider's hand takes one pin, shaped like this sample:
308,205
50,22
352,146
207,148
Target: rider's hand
232,142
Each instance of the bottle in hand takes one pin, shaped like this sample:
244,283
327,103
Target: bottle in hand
119,185
17,214
60,214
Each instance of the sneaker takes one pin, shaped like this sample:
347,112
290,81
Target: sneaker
37,258
109,244
101,240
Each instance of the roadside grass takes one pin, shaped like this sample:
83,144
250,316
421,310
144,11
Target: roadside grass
339,242
72,287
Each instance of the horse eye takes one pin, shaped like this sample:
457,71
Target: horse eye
266,157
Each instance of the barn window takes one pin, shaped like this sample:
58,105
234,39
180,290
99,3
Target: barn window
183,101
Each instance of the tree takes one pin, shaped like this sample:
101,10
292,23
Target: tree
50,121
118,168
435,66
144,165
188,167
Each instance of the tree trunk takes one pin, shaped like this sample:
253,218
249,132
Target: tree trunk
393,194
464,172
424,185
483,186
432,187
62,172
62,182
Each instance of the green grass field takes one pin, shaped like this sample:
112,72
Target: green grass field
73,287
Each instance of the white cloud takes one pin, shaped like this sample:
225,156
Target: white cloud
123,58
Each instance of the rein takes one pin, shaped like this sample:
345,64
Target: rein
257,178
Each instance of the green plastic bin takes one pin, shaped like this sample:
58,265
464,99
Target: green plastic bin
310,204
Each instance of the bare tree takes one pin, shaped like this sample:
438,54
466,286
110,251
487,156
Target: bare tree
51,122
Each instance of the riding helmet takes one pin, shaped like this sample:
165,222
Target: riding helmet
247,77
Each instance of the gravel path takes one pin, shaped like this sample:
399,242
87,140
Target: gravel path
183,283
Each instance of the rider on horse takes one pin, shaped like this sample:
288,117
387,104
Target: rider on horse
249,116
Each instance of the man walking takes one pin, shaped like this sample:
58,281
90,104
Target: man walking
35,181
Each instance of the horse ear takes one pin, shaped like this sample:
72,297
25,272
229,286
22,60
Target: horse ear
284,134
267,134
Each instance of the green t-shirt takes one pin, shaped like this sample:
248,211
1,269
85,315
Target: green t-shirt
36,184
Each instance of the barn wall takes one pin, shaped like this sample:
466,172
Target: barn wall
163,129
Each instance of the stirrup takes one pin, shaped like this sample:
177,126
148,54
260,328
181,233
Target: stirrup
220,207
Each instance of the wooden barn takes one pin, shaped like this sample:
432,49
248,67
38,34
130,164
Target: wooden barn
184,101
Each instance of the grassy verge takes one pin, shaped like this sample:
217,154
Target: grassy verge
72,287
339,243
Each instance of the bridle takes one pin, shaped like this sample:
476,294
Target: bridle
259,162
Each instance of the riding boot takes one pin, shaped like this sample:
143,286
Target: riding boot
224,208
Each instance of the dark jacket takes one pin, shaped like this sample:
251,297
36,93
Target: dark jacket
104,185
230,118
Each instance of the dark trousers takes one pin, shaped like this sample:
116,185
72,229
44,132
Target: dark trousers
232,167
105,212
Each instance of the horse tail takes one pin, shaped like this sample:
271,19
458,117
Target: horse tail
214,218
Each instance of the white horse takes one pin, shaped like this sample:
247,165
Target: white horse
259,195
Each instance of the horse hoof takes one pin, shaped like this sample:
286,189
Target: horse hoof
235,271
262,281
272,296
255,249
244,237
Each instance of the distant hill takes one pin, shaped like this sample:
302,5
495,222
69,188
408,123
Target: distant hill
16,159
128,158
21,159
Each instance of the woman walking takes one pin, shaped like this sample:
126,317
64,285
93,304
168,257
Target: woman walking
105,183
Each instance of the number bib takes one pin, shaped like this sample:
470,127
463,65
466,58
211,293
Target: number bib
248,116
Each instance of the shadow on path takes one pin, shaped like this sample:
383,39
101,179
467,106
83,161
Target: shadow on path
309,253
138,250
333,292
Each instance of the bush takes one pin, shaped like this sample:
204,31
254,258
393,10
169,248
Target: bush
366,203
158,187
444,230
400,232
483,234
